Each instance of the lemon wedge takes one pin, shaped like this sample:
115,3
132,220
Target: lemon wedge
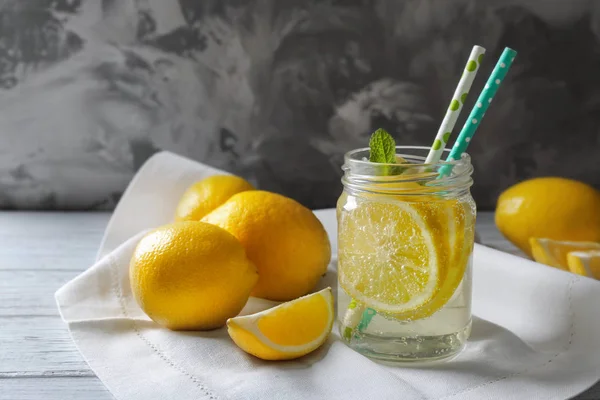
586,263
287,331
554,252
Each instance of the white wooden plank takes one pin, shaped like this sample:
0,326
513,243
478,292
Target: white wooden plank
31,292
43,241
38,346
39,252
48,388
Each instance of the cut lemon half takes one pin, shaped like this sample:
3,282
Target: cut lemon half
289,330
554,252
389,256
586,263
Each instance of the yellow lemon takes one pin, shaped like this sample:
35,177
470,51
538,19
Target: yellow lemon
554,252
191,275
288,331
553,208
206,195
586,263
284,239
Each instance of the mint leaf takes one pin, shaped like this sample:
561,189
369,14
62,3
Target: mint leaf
383,147
383,150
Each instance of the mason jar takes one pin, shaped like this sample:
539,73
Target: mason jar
405,243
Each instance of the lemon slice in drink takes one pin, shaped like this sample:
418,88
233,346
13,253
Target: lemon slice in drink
451,223
389,259
289,330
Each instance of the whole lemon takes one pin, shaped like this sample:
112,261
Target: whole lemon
191,276
206,195
284,239
553,208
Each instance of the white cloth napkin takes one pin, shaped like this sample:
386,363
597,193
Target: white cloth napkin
536,334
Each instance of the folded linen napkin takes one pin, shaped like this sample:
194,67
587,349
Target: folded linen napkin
536,334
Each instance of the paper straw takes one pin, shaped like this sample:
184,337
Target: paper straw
456,105
481,106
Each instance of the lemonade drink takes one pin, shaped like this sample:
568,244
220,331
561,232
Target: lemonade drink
405,240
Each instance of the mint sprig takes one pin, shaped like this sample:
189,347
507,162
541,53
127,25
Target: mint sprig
383,147
383,150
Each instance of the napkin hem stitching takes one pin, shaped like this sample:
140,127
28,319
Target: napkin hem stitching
564,349
117,288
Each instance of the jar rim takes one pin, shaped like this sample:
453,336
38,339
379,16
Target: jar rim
352,157
363,175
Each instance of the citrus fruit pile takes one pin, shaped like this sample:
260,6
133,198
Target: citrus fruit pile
228,242
556,221
404,259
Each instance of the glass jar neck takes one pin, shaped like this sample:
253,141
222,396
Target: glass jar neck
410,177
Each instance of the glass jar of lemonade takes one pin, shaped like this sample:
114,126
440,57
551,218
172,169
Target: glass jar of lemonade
405,242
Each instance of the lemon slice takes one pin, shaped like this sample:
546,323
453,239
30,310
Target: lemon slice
586,263
389,258
554,252
452,225
289,330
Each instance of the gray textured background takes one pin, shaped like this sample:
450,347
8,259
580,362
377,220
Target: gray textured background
277,91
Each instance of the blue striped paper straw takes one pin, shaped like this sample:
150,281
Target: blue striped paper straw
481,106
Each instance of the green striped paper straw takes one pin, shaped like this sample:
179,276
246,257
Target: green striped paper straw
478,111
456,105
437,148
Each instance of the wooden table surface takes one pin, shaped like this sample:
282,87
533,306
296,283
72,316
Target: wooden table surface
39,252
